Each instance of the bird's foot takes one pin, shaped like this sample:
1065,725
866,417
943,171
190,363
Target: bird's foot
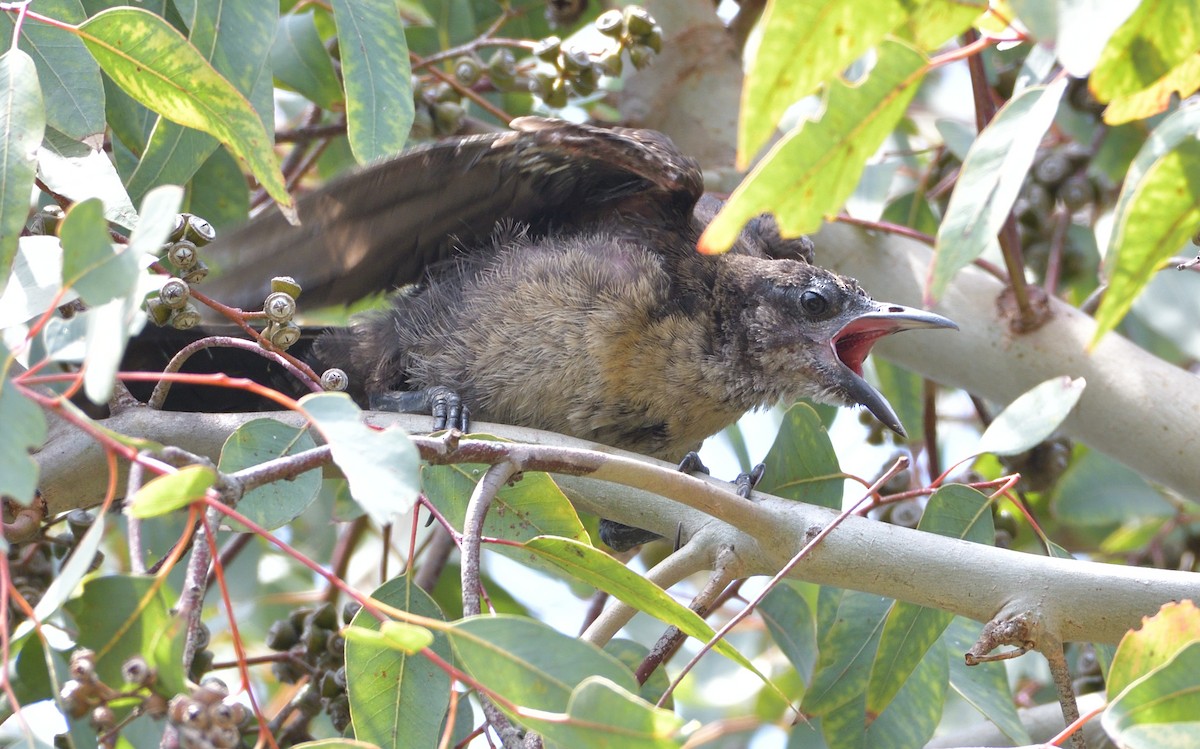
745,482
691,463
444,404
621,537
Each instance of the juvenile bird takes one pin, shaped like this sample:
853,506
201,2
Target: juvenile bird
548,277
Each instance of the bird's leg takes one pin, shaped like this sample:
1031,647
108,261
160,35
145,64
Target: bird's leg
444,404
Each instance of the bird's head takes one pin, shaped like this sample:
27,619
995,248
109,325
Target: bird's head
808,331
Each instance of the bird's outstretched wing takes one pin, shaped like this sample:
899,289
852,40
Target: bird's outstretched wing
379,228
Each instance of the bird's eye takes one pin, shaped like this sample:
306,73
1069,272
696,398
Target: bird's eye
813,303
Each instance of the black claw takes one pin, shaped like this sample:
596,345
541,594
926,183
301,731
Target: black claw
442,403
745,482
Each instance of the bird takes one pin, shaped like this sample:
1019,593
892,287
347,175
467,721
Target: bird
547,276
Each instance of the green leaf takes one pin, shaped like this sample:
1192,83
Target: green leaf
932,23
171,491
280,502
155,65
120,616
92,266
1032,417
984,686
24,431
396,699
912,717
906,390
375,67
847,650
789,617
604,715
529,663
910,631
801,463
234,38
335,744
218,191
85,174
381,466
1162,710
1157,212
1098,491
526,509
1160,638
811,172
990,179
301,63
804,45
1152,55
632,653
22,123
594,567
69,76
110,324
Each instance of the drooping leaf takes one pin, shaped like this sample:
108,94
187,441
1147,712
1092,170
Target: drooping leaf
69,76
811,172
847,650
801,463
301,62
235,39
789,617
990,179
155,65
1150,57
802,46
381,466
985,685
594,567
1157,212
1032,417
910,631
375,67
396,699
22,123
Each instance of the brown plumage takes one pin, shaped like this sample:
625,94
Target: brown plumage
550,279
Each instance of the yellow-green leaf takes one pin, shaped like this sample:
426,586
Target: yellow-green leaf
1157,212
171,491
812,171
804,45
1152,54
155,64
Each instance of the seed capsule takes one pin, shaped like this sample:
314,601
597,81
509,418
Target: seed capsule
335,380
279,306
182,255
174,293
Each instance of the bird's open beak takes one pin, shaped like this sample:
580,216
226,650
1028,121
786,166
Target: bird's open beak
853,342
